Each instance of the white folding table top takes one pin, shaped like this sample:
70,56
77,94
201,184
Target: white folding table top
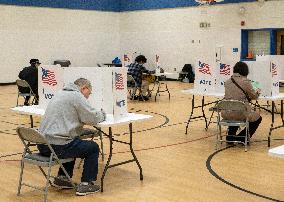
277,151
280,96
196,92
110,121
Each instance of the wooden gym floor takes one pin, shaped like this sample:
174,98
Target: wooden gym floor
176,167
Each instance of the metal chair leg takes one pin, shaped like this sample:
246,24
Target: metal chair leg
47,183
21,177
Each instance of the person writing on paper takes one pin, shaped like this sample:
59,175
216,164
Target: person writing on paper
62,125
239,87
30,75
137,69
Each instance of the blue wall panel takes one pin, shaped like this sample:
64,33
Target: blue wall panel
130,5
103,5
111,5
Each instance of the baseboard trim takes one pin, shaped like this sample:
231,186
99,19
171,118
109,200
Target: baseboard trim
6,84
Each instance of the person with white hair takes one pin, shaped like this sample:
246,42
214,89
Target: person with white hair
66,114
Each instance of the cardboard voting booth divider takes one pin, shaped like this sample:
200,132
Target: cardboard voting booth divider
210,75
223,73
204,76
50,80
265,71
109,87
127,59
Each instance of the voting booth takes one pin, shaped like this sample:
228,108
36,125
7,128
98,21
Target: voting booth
109,86
50,80
265,73
223,73
127,59
210,75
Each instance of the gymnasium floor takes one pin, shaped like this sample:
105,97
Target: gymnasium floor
176,167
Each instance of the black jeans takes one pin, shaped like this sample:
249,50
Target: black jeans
88,150
232,130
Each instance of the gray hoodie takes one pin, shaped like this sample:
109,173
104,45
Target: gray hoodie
66,114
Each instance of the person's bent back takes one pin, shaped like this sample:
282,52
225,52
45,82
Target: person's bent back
239,87
62,124
30,75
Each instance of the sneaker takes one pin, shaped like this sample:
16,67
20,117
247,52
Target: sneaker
87,188
143,98
230,138
62,182
146,98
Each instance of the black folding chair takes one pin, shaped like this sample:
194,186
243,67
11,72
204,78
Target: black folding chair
30,137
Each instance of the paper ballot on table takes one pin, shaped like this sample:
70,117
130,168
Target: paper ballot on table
255,85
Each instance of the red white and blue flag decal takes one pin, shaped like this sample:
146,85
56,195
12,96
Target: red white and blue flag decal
225,69
126,58
204,68
48,77
119,81
274,70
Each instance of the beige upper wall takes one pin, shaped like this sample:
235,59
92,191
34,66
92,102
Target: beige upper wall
175,34
84,37
90,37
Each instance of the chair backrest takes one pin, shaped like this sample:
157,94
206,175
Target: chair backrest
30,135
22,83
130,81
187,68
231,105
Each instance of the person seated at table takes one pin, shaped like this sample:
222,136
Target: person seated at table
239,87
30,75
137,69
62,124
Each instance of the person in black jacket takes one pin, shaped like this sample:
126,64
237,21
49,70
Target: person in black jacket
30,74
187,72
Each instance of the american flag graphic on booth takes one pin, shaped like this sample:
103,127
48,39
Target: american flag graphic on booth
157,61
274,69
126,58
204,68
157,58
225,69
48,77
118,81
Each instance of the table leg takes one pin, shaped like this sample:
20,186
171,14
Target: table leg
107,166
272,123
32,121
191,113
102,145
202,108
161,82
210,120
281,112
132,152
108,160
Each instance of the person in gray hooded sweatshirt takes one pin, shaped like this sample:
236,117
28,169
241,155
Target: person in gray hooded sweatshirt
62,124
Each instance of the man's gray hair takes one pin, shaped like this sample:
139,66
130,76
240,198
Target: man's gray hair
83,82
